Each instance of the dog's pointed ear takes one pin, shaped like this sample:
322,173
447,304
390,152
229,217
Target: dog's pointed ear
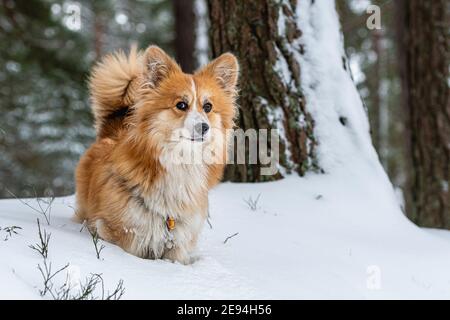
158,66
225,70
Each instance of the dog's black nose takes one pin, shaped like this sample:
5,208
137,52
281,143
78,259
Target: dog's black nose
205,128
202,128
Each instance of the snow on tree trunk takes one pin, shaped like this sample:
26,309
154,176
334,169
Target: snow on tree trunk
341,123
295,77
426,75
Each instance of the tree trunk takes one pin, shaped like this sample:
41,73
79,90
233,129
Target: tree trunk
264,36
185,34
99,27
375,113
425,81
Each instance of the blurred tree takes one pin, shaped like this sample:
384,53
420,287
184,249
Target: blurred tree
185,34
46,50
42,97
424,32
100,12
373,60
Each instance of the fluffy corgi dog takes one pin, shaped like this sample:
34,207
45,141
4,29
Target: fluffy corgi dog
144,183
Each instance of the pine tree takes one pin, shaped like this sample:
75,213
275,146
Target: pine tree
425,50
185,34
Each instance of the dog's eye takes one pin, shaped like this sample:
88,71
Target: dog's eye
207,107
182,106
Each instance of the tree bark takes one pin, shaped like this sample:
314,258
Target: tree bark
263,35
426,92
99,28
185,34
376,101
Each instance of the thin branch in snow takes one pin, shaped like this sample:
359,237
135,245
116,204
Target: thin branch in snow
46,212
66,291
83,225
63,293
44,240
253,203
208,218
116,294
96,241
86,290
209,223
72,207
47,276
10,231
232,236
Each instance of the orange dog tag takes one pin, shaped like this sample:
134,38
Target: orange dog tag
170,223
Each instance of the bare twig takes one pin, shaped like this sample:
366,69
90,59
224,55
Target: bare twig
44,240
46,212
96,241
253,203
10,231
83,225
232,236
47,276
209,222
86,290
118,292
208,218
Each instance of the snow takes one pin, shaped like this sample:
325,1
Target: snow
340,234
313,237
282,68
329,91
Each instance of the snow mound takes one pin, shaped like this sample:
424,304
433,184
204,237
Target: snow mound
323,236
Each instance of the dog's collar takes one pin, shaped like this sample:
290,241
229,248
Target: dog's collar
170,222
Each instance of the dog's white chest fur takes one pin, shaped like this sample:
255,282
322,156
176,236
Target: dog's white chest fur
177,190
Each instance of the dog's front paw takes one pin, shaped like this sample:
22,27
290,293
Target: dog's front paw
177,254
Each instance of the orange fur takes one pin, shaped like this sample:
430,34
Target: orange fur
126,187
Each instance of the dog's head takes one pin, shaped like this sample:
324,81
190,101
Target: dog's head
176,108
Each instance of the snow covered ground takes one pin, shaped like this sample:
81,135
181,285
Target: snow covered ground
322,236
